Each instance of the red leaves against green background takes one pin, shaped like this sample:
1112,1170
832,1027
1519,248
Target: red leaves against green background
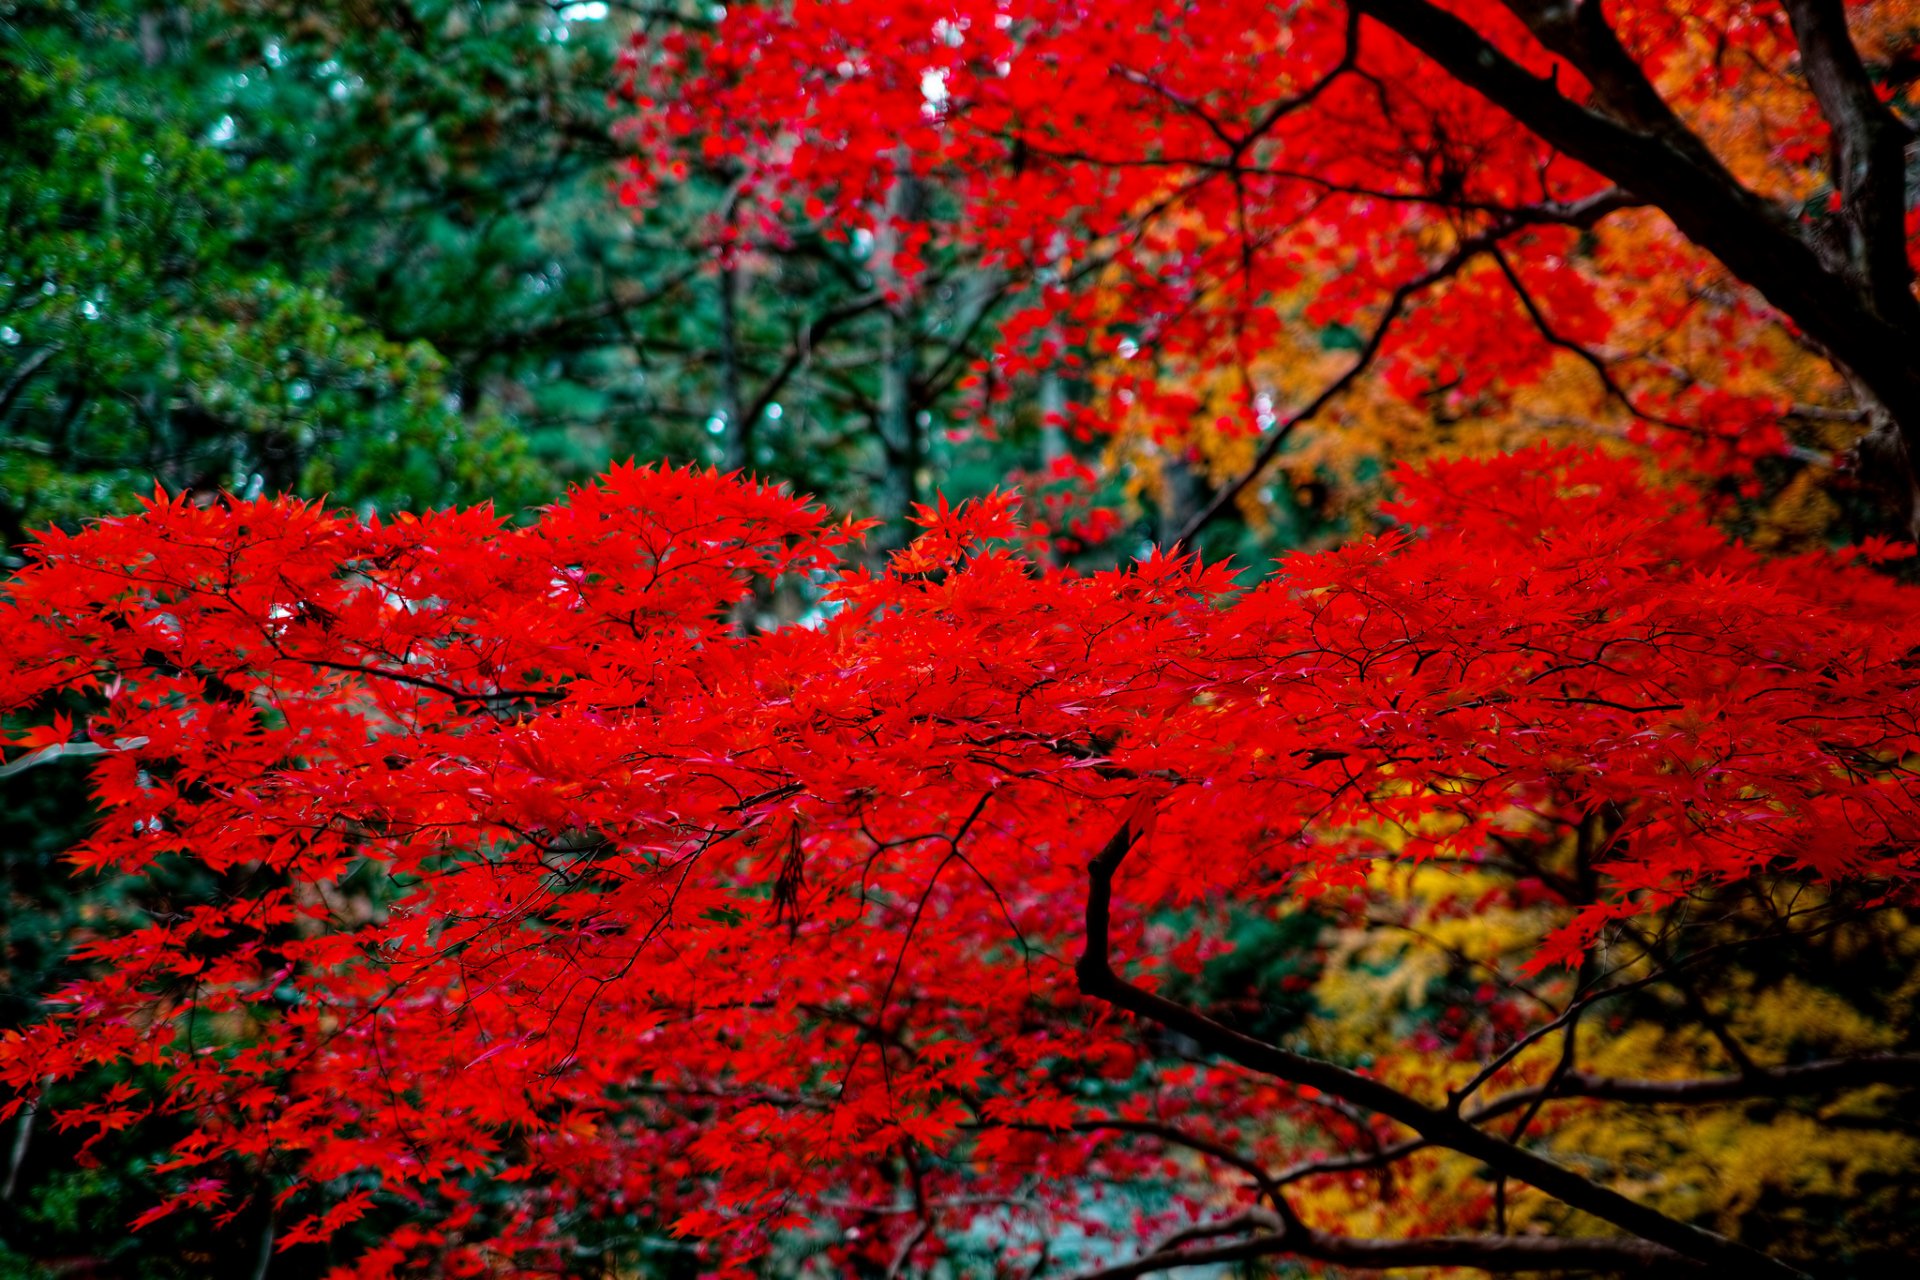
534,868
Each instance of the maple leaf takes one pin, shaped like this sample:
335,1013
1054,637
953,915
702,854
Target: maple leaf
1109,832
581,945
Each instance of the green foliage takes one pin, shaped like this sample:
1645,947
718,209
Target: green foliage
374,251
1264,985
151,330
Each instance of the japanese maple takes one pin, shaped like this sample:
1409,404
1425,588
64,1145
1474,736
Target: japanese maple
530,869
1447,201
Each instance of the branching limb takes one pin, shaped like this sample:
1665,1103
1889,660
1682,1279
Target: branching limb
1868,156
1098,979
1632,137
1396,304
1900,1069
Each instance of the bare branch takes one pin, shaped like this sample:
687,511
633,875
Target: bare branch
23,373
1396,304
1901,1069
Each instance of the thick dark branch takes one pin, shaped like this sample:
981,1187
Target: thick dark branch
1871,331
1578,32
1441,1127
1868,157
1645,149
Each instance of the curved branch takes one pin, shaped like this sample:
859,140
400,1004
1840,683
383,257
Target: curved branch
1870,330
1899,1069
1098,980
22,374
1396,304
805,341
1269,1187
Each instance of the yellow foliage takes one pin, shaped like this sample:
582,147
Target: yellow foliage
1769,1168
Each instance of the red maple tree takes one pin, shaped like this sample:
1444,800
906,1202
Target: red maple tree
501,857
529,868
1457,193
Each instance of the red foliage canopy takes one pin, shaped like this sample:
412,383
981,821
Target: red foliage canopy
1177,183
527,866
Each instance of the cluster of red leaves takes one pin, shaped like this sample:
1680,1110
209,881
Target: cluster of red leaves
532,869
1173,178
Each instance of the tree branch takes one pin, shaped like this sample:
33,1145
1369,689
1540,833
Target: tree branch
1369,349
1901,1069
1867,156
1098,980
22,374
1871,330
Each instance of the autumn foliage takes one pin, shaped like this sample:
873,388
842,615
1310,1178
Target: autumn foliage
532,868
1525,884
1354,231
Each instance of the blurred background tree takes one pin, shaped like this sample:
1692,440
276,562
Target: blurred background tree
374,251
